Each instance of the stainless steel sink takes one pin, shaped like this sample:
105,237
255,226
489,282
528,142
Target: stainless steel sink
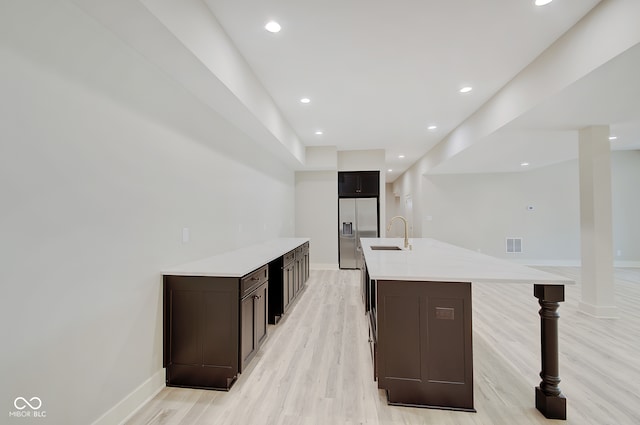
385,248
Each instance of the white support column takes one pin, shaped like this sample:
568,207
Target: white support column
596,228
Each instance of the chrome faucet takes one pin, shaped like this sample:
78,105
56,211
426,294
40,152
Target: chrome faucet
406,229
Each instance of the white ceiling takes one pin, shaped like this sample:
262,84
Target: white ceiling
610,95
379,73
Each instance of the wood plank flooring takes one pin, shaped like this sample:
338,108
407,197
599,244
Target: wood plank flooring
315,367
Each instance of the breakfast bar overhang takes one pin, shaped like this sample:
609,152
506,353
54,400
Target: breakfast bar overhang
419,303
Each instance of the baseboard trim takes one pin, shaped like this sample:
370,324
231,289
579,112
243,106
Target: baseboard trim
599,311
129,405
629,264
323,266
548,263
570,263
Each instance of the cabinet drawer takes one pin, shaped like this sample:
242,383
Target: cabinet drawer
289,257
253,280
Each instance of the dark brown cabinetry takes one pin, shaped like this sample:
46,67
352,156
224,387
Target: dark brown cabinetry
354,184
304,274
299,269
212,327
281,285
420,334
288,275
253,315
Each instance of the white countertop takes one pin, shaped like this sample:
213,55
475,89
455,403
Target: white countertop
432,260
239,262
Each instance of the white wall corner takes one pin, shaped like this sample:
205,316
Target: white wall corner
318,158
361,160
128,406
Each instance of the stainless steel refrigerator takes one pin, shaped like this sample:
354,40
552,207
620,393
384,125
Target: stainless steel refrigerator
357,218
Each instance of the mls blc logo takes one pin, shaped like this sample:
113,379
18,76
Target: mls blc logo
21,403
28,408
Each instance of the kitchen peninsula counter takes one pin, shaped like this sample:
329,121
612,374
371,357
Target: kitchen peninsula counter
420,321
433,260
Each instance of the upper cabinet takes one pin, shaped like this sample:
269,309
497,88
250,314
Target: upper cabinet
354,184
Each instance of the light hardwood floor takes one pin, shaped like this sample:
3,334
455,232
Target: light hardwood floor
315,368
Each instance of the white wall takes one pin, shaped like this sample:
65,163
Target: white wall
103,161
317,215
317,198
478,211
625,177
409,187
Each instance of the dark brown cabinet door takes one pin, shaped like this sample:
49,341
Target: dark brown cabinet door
247,332
424,351
253,326
348,184
369,183
354,184
296,277
286,277
291,282
306,262
261,314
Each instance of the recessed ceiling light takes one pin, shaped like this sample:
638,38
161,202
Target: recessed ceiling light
524,164
466,89
432,127
613,137
273,26
305,100
319,133
389,170
542,2
400,156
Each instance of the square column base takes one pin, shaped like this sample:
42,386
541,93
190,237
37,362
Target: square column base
552,407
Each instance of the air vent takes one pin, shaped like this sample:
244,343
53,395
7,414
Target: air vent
514,245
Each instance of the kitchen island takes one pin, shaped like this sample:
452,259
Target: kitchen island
418,299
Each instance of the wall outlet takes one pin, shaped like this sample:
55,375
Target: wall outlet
185,234
619,253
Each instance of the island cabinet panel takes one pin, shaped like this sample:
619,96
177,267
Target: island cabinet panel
201,331
213,326
424,346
